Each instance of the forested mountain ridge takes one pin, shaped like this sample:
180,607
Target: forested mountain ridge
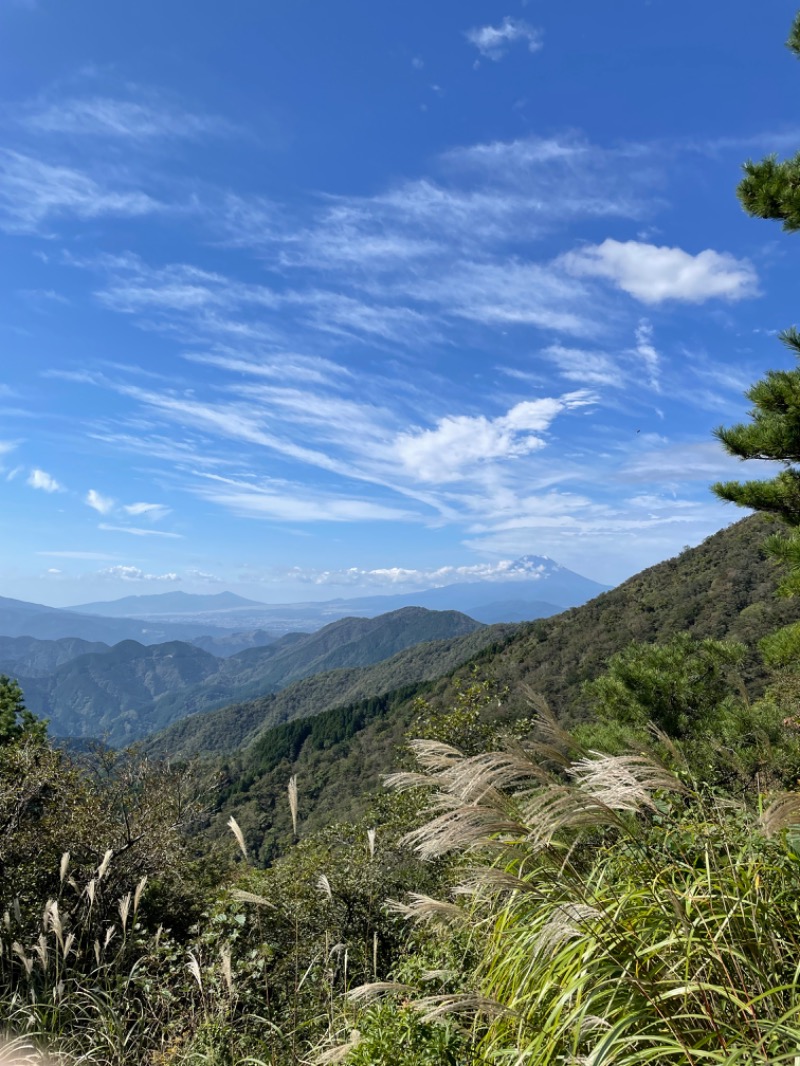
724,588
125,692
227,729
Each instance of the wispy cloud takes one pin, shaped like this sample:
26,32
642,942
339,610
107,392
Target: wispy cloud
40,479
394,576
34,193
153,511
136,531
654,274
133,573
494,41
146,118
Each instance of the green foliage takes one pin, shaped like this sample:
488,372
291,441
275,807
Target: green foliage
16,721
619,915
678,687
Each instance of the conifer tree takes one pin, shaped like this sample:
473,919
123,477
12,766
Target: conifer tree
771,189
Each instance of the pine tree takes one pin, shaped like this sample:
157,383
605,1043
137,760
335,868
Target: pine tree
16,720
771,189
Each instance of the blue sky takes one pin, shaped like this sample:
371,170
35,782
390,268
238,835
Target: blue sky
310,299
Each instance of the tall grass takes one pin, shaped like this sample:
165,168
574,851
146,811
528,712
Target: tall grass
622,915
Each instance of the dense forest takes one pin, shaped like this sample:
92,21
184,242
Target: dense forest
588,850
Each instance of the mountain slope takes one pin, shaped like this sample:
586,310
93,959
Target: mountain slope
21,619
724,588
37,658
229,728
168,603
131,689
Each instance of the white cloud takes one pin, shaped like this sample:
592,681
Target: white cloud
494,41
101,504
32,192
40,479
153,511
137,532
461,443
282,506
129,119
393,576
584,367
645,349
652,273
133,573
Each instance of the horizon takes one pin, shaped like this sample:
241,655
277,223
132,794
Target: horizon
317,304
499,577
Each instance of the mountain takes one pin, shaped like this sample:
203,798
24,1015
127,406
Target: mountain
21,619
724,588
125,692
238,725
533,587
37,658
166,603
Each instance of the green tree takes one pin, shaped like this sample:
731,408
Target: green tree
16,721
771,189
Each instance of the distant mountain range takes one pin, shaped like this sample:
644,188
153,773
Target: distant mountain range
532,587
123,692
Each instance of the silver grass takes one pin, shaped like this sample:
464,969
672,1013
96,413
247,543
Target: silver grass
338,1053
375,989
41,949
110,934
405,780
491,771
69,940
623,782
124,908
371,836
250,897
492,879
424,908
90,891
782,813
324,885
435,754
102,869
137,895
464,828
193,966
64,867
567,921
434,1007
234,827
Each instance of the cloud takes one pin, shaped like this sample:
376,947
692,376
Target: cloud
33,192
653,274
461,443
137,532
133,573
101,504
647,352
299,506
393,576
140,120
153,511
583,366
494,41
40,479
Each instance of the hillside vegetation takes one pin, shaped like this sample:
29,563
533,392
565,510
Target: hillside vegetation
121,694
723,589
